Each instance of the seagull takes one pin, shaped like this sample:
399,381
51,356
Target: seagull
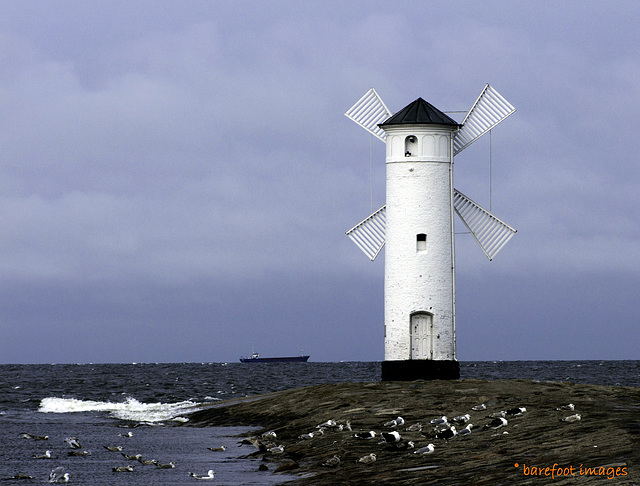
77,453
128,434
461,419
147,462
171,465
332,462
447,434
73,442
217,449
209,475
271,435
478,408
516,411
569,406
279,449
395,422
129,457
365,435
328,423
58,475
46,455
306,436
417,427
27,435
572,418
368,459
439,421
18,476
428,449
401,446
391,437
123,469
347,426
114,448
496,423
254,441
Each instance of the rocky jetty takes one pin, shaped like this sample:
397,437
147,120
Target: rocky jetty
523,432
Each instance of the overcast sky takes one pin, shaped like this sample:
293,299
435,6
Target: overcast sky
176,178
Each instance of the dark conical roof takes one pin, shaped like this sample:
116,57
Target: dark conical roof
419,113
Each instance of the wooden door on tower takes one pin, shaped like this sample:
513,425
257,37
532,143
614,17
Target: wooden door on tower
422,336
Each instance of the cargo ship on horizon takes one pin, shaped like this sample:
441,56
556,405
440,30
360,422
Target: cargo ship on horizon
256,358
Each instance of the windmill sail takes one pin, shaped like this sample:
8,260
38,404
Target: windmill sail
490,233
369,234
368,112
489,109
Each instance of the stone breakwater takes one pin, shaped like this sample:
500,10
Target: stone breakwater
540,445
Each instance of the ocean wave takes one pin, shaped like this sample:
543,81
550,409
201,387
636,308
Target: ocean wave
130,409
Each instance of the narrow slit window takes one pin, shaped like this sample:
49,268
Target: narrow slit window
421,242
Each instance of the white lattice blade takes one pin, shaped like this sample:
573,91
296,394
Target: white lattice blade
489,109
369,234
368,112
490,232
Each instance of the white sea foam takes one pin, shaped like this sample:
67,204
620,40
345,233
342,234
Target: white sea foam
131,409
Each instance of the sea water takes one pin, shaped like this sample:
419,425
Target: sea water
101,403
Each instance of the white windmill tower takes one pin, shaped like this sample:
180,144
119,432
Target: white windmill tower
416,225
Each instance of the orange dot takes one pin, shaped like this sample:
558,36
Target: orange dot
517,465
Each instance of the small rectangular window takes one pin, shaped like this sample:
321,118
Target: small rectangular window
421,242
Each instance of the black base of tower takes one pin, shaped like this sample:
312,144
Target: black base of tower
420,369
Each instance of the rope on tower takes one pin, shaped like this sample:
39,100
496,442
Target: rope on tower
371,173
490,171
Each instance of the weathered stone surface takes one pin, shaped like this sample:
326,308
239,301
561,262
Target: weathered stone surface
607,434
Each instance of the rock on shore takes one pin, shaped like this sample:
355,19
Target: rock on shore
601,446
